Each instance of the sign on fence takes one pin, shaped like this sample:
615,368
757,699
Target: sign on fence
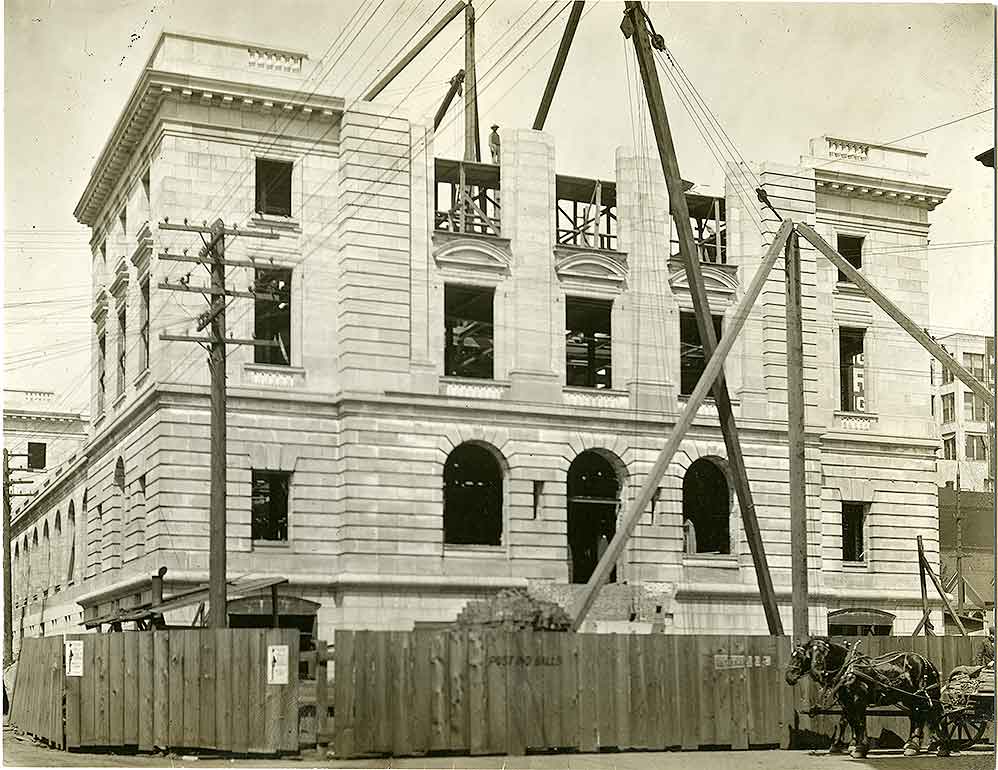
277,664
74,658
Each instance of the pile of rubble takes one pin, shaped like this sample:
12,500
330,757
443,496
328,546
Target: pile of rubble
514,610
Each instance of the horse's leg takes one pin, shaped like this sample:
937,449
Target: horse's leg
839,744
914,742
857,721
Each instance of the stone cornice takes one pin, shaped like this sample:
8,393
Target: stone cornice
153,87
120,282
143,250
99,313
851,185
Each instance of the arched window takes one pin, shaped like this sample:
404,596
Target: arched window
58,523
706,508
593,499
472,496
46,576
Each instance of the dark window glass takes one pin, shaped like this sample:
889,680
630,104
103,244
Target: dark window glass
122,350
270,505
691,358
851,372
975,363
587,343
976,447
101,372
706,509
949,407
949,447
468,332
850,247
852,531
273,316
36,455
273,187
144,329
472,497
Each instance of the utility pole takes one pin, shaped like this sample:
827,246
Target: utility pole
635,26
8,583
960,593
472,147
212,257
795,430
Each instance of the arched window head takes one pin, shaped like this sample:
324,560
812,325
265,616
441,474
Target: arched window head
706,508
58,522
34,537
83,505
71,513
119,475
17,550
45,531
472,497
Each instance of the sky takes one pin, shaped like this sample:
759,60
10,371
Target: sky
775,75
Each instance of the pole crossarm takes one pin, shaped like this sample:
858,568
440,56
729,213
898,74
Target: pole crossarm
635,26
703,387
209,340
213,231
559,64
202,260
919,334
389,76
219,292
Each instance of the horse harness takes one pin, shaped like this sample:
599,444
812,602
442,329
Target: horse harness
862,667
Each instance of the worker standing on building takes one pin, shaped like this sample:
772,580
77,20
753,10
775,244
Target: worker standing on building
494,144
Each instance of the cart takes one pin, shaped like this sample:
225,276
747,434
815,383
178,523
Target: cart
968,705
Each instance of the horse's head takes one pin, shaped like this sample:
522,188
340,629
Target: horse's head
809,657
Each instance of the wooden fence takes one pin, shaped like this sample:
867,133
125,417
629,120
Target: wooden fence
36,706
197,688
491,692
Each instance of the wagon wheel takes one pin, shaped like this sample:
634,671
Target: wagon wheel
963,729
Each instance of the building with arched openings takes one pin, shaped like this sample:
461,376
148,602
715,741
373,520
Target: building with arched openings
475,366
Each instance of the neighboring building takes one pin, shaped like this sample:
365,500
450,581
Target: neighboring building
477,365
962,416
32,422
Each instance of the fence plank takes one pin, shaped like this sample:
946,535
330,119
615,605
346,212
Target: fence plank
478,728
102,691
622,691
206,707
291,695
529,674
177,653
162,661
272,693
688,691
344,671
588,674
73,711
382,668
496,701
146,690
566,645
192,686
606,700
457,703
323,692
739,692
223,688
419,697
638,717
439,712
240,686
257,727
116,690
130,717
665,715
401,643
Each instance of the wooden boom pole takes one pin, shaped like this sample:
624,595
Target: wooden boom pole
634,26
559,64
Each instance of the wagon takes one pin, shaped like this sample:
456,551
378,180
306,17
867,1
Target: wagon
968,704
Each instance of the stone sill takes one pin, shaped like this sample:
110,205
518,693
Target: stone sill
849,288
854,566
474,551
272,545
273,375
719,561
275,222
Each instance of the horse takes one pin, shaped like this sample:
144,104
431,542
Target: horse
857,681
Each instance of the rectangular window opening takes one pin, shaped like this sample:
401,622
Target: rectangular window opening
36,455
949,447
588,343
273,187
949,407
538,493
850,247
270,505
973,408
974,362
469,332
853,515
851,370
273,316
976,447
144,328
692,361
122,349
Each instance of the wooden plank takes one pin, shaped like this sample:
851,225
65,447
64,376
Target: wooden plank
665,718
206,706
272,693
548,675
59,678
290,697
439,712
102,692
177,654
224,688
528,673
606,719
739,702
161,695
146,690
130,717
400,646
588,673
116,694
420,694
686,695
73,710
477,701
192,687
568,685
323,692
638,716
496,655
345,691
384,671
519,696
622,690
723,679
256,723
457,701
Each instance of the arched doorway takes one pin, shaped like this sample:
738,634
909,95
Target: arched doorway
472,496
706,508
593,499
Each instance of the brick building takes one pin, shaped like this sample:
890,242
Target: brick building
476,365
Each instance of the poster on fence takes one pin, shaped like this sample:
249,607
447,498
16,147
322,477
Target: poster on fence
277,664
74,658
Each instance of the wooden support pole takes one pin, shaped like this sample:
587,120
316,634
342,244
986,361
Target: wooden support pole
925,622
275,617
635,25
559,64
939,589
795,434
919,334
8,583
472,151
959,545
615,548
217,594
404,62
